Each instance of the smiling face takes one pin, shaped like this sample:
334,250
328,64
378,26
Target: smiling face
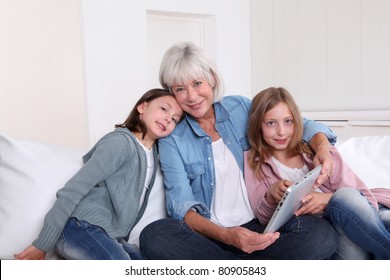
278,127
160,115
194,97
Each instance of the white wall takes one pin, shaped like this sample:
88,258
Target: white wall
331,55
41,79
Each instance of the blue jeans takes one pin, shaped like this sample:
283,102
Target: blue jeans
83,241
352,215
347,250
384,215
304,237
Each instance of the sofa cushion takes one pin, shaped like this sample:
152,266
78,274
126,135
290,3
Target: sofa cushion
30,175
369,157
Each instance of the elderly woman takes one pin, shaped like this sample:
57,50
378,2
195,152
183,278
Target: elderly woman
202,163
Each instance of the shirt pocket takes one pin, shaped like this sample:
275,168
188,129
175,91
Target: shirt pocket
194,170
195,173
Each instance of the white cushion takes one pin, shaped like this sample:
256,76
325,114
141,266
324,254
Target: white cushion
30,175
369,157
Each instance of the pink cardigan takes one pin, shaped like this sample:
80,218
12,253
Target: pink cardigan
342,177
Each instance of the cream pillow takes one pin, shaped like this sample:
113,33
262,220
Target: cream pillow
30,175
369,157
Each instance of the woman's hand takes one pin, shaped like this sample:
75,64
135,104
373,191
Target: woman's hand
239,237
324,158
31,253
249,241
314,203
321,146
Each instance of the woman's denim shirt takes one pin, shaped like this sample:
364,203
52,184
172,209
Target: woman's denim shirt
187,161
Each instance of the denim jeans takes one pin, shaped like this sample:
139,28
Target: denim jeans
384,215
353,216
83,241
347,250
304,237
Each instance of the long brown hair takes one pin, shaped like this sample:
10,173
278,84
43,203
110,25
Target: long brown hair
133,121
263,102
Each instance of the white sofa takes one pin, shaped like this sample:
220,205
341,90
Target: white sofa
31,173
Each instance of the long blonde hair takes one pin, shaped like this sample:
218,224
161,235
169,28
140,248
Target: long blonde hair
263,102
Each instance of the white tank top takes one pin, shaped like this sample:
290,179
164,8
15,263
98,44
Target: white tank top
230,205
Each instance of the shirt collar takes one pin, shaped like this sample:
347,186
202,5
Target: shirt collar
221,114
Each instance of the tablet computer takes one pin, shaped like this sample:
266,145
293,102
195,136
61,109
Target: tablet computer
292,200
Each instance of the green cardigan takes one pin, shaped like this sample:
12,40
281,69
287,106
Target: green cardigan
105,192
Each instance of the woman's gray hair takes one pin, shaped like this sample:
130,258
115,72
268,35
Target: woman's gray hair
184,62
